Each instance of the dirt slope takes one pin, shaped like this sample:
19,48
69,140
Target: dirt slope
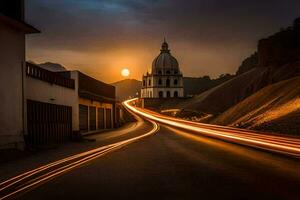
275,108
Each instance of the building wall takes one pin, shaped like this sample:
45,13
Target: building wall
42,91
165,90
90,103
12,64
152,90
158,104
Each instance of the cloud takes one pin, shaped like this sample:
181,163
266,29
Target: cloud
205,31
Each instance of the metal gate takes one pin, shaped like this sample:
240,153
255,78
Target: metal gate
83,118
92,118
101,118
108,118
48,123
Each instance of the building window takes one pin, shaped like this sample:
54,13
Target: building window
161,94
159,72
168,94
168,72
175,72
149,83
159,81
175,94
175,82
144,83
168,82
150,94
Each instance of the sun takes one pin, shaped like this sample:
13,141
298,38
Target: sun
125,72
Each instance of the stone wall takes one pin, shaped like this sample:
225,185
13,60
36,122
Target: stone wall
158,104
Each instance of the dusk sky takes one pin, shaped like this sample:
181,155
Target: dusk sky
100,37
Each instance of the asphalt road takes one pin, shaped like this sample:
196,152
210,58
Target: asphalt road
178,164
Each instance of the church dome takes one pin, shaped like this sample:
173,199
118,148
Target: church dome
165,63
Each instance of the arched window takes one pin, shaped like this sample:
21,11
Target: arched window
175,94
168,82
168,94
149,83
161,94
144,83
159,81
175,82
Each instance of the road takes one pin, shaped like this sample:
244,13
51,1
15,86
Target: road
178,163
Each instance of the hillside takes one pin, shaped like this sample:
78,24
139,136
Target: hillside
264,94
196,85
274,108
222,97
54,67
127,88
277,59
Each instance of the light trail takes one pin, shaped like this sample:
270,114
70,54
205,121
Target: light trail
35,177
276,143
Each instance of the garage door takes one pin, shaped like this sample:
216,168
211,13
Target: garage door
92,118
100,118
108,118
47,123
83,118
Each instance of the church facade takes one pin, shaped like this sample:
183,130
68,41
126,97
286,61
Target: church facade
164,79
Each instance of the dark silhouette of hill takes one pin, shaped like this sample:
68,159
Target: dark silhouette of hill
277,59
55,67
248,64
127,88
194,86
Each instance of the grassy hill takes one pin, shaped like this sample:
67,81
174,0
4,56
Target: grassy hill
274,108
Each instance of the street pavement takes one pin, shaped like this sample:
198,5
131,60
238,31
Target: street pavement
178,164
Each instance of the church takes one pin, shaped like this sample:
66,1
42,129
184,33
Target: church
164,79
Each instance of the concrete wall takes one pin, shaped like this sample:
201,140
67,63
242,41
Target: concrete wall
42,91
165,90
97,104
159,83
159,104
12,67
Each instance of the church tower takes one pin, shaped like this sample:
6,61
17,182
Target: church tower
164,79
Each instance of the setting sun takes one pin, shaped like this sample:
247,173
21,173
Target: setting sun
125,72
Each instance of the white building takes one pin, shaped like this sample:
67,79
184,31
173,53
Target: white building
64,105
164,79
12,63
40,107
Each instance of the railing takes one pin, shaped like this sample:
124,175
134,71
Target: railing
37,72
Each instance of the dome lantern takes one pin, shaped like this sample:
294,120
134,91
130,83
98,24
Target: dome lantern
164,62
165,47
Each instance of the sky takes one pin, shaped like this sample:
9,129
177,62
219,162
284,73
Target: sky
101,37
